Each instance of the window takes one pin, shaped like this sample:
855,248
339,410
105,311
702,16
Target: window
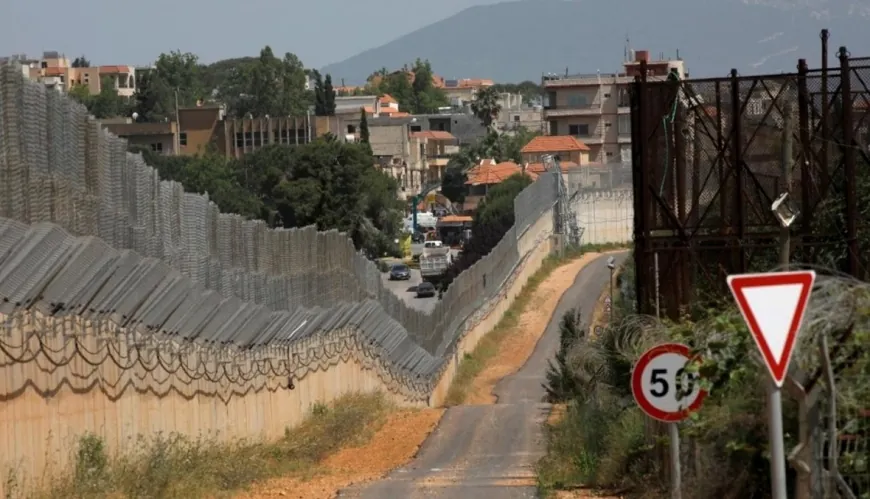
416,128
550,100
240,139
606,124
516,117
577,101
578,130
157,147
258,139
608,154
441,127
249,139
757,106
554,128
351,129
606,96
182,138
624,122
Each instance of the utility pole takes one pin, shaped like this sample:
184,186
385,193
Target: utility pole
785,164
774,393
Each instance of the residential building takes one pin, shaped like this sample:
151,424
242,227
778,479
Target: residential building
56,72
461,92
578,171
436,147
567,147
159,137
484,176
202,127
516,114
466,128
595,107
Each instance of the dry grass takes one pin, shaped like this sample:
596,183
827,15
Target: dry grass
176,466
395,443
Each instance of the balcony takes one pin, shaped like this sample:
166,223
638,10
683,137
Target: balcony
566,111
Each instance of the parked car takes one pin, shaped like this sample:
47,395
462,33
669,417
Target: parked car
425,289
400,272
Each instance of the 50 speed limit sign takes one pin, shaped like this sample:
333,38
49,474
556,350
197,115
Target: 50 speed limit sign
662,387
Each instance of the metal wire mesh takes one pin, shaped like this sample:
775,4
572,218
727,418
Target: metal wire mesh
58,166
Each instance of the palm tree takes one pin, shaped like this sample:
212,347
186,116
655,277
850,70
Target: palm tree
486,106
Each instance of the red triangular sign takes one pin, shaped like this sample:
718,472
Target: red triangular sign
773,306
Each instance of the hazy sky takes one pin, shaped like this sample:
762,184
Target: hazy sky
127,32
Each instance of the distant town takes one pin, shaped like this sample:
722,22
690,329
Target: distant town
589,113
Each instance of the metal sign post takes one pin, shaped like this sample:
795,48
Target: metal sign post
773,307
666,392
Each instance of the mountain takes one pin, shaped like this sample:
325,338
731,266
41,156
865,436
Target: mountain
516,41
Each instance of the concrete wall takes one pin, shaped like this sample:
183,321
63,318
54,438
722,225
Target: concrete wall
605,216
62,394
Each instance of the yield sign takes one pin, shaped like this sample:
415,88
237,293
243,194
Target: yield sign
773,306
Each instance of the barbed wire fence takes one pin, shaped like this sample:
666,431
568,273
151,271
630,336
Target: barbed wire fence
827,383
111,278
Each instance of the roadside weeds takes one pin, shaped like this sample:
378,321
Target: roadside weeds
178,466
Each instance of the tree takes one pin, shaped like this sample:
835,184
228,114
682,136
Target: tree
81,62
562,384
412,87
180,72
153,100
80,93
319,95
499,147
208,173
329,96
108,104
486,106
363,127
493,218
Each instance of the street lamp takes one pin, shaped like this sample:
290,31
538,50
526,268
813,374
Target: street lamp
611,264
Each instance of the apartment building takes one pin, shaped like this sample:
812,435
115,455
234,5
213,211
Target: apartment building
462,91
56,71
595,107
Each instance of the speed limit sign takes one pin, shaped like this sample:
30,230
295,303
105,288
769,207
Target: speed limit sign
662,387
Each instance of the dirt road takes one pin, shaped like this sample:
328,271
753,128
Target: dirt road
488,451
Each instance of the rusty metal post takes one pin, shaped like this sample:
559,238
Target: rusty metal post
826,130
848,148
805,146
737,164
639,179
683,257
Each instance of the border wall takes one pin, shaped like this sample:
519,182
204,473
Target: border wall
130,307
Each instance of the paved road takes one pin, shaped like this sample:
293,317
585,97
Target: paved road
405,289
488,451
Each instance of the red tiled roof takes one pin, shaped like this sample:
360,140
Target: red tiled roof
388,99
554,143
54,71
489,173
115,69
433,135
